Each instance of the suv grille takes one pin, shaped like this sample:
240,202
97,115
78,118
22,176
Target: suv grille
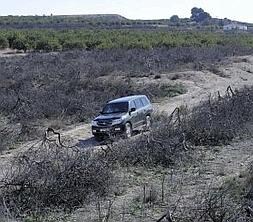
105,122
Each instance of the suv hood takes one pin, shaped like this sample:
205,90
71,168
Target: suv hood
111,116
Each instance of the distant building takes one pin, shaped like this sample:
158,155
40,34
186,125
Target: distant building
235,26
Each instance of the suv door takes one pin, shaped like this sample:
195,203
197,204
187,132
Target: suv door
147,106
134,115
140,111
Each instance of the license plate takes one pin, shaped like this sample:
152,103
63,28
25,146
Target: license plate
103,130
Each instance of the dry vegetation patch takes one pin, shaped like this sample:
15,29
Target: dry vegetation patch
51,176
48,176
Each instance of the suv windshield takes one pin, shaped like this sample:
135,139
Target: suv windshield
120,107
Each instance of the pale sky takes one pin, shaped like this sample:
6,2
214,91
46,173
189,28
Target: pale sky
241,10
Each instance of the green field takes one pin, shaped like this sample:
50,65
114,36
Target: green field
53,40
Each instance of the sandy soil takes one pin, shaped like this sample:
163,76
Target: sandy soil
11,53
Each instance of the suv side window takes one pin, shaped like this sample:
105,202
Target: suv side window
132,105
138,103
144,101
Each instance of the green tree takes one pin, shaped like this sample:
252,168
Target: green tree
48,45
174,19
199,15
12,36
73,44
20,43
4,43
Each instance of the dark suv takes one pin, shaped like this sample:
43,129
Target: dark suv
123,115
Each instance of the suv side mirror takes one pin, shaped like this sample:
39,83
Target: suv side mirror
132,110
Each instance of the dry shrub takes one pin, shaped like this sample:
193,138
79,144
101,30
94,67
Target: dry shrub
52,177
232,202
213,122
217,205
164,145
75,101
249,187
9,134
65,85
219,120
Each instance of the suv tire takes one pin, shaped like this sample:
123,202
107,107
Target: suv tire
99,138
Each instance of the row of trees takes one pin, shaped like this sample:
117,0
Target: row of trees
45,40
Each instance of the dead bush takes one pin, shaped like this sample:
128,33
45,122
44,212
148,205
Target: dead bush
249,188
217,121
9,133
48,176
232,202
213,122
217,205
163,146
68,86
65,86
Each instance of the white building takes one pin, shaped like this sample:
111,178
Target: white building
235,26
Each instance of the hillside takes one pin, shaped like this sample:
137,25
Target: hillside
60,21
108,17
200,20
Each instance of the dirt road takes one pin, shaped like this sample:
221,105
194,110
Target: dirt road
11,53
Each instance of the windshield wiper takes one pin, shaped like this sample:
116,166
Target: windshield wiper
119,112
115,112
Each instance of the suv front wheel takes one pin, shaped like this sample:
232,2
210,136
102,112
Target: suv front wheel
128,130
99,138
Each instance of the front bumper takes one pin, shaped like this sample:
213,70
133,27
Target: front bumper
110,130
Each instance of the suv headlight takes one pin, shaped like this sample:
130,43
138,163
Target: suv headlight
117,121
94,123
